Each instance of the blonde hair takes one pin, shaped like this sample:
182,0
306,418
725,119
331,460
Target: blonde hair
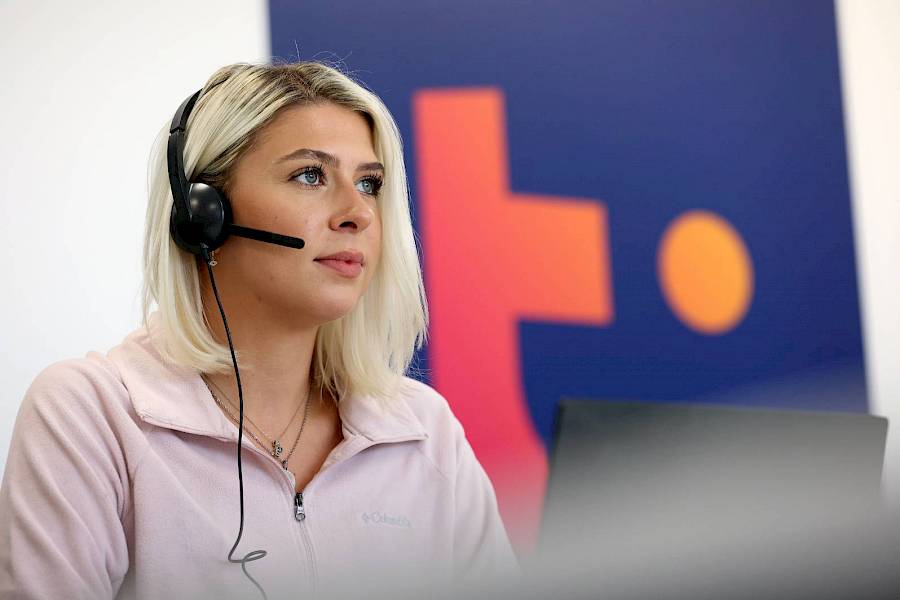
368,350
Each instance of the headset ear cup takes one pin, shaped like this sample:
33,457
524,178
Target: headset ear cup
209,221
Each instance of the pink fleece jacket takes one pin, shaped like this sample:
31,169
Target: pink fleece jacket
122,482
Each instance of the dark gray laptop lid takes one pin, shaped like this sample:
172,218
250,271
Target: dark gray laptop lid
647,474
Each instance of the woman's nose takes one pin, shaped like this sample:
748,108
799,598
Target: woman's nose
352,209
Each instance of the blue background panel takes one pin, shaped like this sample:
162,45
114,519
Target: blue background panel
653,108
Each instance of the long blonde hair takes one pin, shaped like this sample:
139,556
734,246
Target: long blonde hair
368,350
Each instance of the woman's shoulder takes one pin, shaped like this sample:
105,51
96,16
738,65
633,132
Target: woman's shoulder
76,387
445,436
429,405
97,377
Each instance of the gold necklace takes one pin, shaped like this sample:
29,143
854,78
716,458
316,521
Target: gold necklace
277,449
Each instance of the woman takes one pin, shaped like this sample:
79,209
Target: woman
121,478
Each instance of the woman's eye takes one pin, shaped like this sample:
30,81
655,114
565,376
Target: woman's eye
369,185
310,176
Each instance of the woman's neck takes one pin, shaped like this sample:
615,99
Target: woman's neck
275,362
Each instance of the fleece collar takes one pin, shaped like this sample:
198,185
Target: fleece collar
175,397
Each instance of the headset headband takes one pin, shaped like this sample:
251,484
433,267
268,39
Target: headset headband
175,156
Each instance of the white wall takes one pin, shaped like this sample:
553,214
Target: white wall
87,86
869,36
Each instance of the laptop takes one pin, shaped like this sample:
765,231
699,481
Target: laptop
632,480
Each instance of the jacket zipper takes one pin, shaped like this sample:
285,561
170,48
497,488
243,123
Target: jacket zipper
299,511
300,515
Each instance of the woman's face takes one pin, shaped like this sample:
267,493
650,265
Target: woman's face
312,174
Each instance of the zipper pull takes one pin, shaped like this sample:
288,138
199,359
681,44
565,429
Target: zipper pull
299,513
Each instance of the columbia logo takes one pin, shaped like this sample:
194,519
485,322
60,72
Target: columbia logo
380,518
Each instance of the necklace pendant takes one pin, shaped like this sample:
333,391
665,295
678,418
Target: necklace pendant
276,449
284,464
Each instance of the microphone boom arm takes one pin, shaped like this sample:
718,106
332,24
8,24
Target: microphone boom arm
266,236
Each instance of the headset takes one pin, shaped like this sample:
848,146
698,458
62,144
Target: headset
200,222
201,214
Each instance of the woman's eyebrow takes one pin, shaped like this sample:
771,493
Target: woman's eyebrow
327,159
372,166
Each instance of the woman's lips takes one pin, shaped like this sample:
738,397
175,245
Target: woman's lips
344,267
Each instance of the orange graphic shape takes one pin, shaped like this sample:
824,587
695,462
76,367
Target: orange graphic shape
705,272
492,259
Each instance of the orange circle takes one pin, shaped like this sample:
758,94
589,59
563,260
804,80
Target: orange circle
705,272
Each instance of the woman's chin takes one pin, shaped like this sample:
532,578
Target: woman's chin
326,312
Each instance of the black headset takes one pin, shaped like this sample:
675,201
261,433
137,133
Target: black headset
201,218
201,221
